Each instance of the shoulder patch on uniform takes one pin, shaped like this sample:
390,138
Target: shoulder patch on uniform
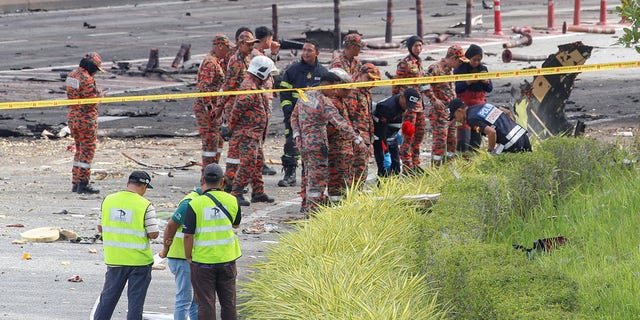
73,83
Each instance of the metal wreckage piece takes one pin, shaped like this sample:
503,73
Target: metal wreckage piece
541,107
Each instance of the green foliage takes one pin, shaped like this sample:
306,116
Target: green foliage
602,256
530,178
357,261
378,256
629,11
580,161
493,281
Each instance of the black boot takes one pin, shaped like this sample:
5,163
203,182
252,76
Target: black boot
84,187
242,202
261,197
266,171
289,179
486,6
74,187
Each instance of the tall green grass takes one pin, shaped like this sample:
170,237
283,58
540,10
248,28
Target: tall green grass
379,257
356,261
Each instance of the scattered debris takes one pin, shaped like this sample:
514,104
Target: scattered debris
153,62
92,250
177,167
541,107
75,278
15,225
376,62
475,21
521,30
48,234
542,245
26,256
88,26
87,240
61,212
524,39
508,56
16,241
442,37
438,15
44,234
184,54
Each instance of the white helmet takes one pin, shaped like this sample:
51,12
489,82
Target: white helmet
342,74
262,67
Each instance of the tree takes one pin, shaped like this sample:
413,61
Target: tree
629,11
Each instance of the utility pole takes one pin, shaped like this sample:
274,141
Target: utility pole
337,35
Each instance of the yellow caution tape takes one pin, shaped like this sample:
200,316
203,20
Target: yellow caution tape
379,83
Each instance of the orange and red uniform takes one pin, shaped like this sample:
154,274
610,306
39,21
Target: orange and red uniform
83,122
411,67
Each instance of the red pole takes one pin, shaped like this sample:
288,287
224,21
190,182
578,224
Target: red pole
550,16
274,21
576,12
388,34
603,12
419,29
497,20
467,24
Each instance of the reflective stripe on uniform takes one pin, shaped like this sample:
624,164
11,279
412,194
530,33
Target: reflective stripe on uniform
209,153
215,228
233,161
395,125
436,158
514,135
179,235
284,84
335,198
214,242
124,231
82,165
314,194
285,103
126,245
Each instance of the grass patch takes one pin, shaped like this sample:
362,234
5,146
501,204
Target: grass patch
379,257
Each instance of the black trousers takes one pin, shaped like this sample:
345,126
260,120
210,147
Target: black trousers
209,280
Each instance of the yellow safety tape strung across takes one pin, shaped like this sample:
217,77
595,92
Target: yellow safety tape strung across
379,83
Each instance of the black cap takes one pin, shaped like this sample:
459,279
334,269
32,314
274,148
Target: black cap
454,105
412,40
213,173
141,177
411,96
263,32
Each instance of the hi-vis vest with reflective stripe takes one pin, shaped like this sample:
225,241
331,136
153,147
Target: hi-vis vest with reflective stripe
177,246
124,237
214,240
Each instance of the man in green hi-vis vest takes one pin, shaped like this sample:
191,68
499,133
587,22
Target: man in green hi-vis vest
211,246
127,222
173,249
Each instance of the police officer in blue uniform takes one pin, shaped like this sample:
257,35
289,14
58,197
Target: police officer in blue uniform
503,133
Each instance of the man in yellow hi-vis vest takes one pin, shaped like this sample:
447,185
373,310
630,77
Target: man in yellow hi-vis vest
173,249
211,246
127,222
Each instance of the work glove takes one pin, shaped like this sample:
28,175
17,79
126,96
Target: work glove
408,129
399,138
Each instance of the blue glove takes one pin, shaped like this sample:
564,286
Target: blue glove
399,138
386,163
